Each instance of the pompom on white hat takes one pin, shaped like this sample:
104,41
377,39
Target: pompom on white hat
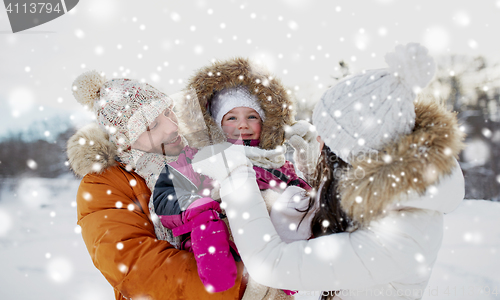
123,107
364,112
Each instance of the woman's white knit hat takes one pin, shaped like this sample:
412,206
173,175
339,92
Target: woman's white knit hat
227,99
364,112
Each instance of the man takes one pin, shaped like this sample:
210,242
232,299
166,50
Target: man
113,199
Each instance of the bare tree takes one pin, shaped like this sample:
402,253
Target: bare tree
471,87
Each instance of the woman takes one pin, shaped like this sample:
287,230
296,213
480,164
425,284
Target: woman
401,176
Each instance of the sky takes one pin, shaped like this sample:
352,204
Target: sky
164,42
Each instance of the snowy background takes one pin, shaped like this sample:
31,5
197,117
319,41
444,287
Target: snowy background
42,253
301,41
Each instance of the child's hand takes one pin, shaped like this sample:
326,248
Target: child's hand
303,138
210,244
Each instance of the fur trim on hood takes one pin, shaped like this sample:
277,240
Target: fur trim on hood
90,151
408,165
271,94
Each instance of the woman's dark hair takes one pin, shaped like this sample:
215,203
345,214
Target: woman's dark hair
330,218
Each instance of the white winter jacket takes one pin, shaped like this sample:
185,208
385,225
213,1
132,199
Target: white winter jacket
400,220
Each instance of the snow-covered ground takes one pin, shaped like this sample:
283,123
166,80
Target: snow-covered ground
42,255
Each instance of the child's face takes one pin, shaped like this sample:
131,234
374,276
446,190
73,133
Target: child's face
242,123
162,136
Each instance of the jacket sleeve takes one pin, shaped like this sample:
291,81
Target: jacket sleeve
360,259
173,193
120,238
289,217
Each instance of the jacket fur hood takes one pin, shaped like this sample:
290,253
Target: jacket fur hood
405,167
90,151
271,94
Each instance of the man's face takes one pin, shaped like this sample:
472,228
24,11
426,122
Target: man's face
162,136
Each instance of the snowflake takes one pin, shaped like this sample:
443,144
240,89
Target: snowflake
32,164
486,132
123,268
87,196
477,152
79,33
60,269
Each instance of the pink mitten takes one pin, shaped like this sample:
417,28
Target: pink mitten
210,244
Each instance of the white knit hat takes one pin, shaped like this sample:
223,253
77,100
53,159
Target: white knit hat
123,107
364,112
227,99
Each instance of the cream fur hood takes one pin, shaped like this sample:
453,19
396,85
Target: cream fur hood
271,94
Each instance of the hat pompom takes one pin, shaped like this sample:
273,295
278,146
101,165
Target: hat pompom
86,88
412,65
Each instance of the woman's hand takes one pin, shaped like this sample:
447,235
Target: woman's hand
303,138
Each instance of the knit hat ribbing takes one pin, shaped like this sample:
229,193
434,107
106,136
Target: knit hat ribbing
227,99
364,112
123,107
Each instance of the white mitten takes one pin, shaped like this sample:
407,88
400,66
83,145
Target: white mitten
302,136
218,161
288,212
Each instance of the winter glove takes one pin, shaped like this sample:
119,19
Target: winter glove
302,136
209,244
290,293
289,217
218,161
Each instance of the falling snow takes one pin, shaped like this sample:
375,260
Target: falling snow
58,255
477,152
38,231
437,39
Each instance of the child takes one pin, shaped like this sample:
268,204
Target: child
180,199
176,188
240,118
